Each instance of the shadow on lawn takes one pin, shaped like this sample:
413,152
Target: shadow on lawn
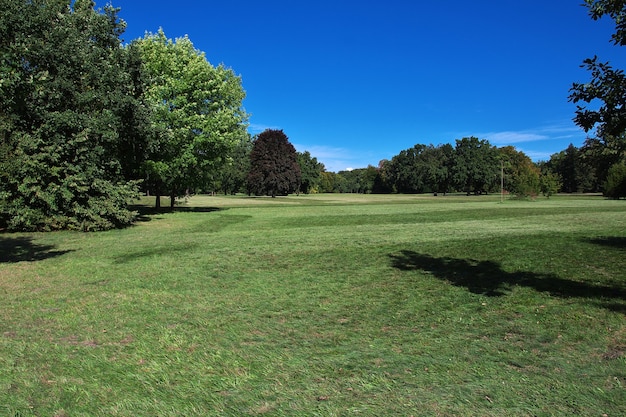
146,213
488,278
18,249
617,242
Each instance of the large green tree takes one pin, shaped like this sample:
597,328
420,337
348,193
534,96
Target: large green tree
476,167
231,178
576,176
521,176
274,168
604,96
311,170
360,180
65,101
436,168
197,115
406,172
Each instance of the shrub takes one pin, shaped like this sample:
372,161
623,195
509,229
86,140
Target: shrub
615,186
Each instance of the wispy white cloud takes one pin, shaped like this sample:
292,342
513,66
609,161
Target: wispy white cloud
508,137
544,133
336,159
538,143
258,128
537,155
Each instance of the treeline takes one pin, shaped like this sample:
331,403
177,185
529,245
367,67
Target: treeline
472,166
475,166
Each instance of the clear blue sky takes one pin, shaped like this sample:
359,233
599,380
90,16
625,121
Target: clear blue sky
354,82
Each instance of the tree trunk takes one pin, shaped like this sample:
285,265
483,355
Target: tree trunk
157,203
172,199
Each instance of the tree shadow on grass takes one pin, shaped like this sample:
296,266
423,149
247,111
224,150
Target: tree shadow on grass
618,242
488,278
19,249
146,213
165,250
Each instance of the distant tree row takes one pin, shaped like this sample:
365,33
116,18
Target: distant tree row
262,164
472,166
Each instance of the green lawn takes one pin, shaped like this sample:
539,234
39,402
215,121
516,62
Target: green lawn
327,305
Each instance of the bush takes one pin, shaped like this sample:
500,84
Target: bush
615,186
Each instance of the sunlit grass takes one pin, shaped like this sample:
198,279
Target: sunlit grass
322,305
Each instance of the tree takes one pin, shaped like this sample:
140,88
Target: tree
616,10
64,104
437,168
311,171
232,176
521,175
329,182
576,176
607,85
405,172
360,180
274,168
549,183
616,182
476,165
197,115
599,156
383,183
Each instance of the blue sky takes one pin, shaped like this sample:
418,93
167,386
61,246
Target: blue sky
355,82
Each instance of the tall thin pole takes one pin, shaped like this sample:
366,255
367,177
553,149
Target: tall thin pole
502,181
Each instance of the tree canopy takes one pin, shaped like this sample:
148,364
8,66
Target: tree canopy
274,168
65,97
607,85
197,114
476,165
310,170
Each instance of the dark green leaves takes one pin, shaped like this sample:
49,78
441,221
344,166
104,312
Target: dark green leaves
274,168
63,110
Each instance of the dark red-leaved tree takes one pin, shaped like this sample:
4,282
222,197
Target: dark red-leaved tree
274,168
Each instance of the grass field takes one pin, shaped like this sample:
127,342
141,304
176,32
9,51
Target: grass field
327,305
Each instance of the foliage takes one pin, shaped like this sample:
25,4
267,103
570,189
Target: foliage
438,162
616,182
383,183
197,115
405,170
549,183
329,182
607,86
274,168
616,10
598,156
418,169
65,91
521,175
311,170
360,180
476,165
232,176
576,176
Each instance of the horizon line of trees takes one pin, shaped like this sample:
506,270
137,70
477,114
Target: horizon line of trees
88,123
473,166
